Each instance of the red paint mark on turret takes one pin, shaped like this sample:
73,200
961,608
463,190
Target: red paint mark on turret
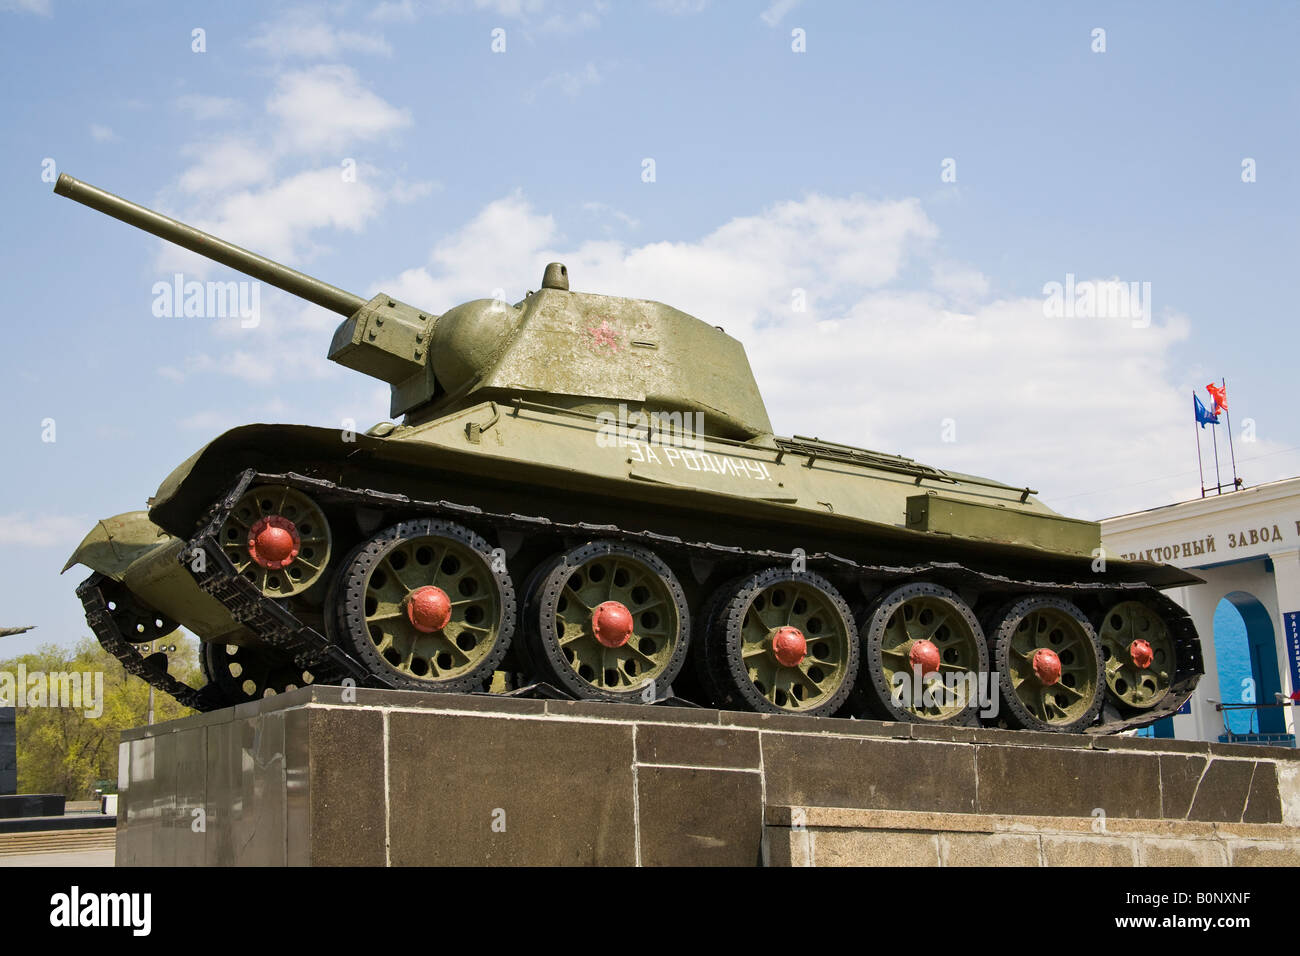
602,335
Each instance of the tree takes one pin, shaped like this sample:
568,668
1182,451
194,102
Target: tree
62,749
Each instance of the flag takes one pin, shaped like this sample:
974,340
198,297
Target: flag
1220,396
1203,417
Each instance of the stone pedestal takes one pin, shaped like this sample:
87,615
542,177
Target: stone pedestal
8,751
404,778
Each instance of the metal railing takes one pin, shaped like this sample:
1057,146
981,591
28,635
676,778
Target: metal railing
1229,736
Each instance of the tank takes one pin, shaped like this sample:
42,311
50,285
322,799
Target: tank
581,495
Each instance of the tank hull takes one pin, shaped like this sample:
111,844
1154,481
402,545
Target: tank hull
582,469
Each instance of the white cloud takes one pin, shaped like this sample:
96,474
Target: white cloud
777,11
42,531
577,21
327,108
603,211
680,7
276,219
235,189
485,254
300,33
226,164
568,82
209,422
41,7
393,11
963,284
101,134
510,8
201,107
1063,405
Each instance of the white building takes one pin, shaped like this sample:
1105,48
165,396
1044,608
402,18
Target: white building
1246,546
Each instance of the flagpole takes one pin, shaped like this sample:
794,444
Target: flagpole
1224,383
1218,481
1196,427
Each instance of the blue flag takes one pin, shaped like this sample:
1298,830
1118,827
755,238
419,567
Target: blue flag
1203,417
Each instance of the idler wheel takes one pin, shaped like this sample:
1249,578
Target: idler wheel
278,538
925,657
607,621
427,605
1049,666
244,672
136,621
779,642
1138,654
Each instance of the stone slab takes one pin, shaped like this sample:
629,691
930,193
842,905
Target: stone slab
693,817
31,805
330,776
471,789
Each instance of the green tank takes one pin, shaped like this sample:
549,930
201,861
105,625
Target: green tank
582,494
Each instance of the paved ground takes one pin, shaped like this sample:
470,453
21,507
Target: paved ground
66,858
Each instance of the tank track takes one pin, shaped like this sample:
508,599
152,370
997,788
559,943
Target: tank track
96,592
329,663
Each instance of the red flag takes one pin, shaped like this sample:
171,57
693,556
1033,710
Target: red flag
1220,395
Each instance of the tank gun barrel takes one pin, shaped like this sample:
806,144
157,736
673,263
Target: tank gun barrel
195,240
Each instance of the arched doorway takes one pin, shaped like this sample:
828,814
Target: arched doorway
1245,648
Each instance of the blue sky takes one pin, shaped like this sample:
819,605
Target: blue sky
775,171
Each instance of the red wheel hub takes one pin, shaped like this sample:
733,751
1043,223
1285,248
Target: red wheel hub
1141,653
273,542
924,655
428,609
789,646
1047,666
611,622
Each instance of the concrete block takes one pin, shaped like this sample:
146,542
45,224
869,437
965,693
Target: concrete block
1059,782
719,747
698,817
1089,851
871,773
1221,794
470,789
1263,854
979,849
873,848
1155,852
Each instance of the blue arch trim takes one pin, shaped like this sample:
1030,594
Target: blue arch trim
1261,641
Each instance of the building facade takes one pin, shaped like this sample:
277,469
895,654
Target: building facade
1246,546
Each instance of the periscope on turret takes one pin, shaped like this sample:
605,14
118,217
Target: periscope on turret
585,491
